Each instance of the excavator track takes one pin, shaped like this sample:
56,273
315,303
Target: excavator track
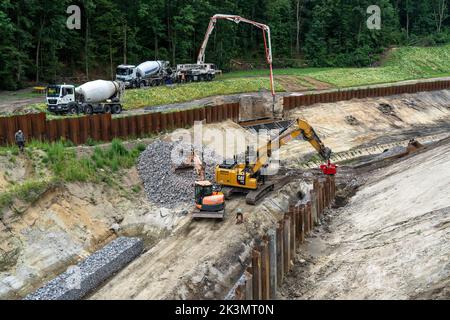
227,192
255,195
197,214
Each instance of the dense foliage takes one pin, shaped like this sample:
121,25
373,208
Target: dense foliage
36,45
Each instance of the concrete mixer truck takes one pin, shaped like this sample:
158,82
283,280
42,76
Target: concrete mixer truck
99,96
149,73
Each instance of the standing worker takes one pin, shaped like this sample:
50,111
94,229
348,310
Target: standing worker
239,216
20,140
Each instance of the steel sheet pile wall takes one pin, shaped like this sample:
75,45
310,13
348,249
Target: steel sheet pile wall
274,254
292,102
104,128
33,126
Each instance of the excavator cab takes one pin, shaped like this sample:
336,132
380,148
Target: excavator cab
210,203
202,189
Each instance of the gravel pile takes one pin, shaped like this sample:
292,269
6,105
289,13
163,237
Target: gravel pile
165,186
75,283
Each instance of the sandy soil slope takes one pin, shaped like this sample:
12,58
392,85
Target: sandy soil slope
39,240
65,225
390,242
202,259
365,122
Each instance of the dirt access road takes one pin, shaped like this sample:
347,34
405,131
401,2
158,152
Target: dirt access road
390,242
19,101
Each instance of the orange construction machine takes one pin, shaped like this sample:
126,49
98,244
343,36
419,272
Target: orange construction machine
209,201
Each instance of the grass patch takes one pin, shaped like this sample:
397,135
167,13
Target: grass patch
136,189
115,157
10,95
28,191
68,167
139,98
406,63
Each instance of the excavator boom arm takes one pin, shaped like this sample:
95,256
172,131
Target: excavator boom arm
302,128
311,136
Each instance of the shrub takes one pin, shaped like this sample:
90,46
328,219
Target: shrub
28,191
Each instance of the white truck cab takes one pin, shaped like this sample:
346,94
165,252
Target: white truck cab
148,73
126,73
60,98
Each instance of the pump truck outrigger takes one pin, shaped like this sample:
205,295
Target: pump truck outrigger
248,177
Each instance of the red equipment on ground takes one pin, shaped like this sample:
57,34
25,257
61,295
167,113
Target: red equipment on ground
329,169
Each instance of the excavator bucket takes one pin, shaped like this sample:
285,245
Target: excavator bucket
187,163
184,166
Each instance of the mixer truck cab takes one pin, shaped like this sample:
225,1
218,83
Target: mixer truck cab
99,96
60,98
126,73
148,73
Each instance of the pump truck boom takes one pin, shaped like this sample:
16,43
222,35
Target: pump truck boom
237,19
248,177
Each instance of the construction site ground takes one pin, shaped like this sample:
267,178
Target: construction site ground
391,241
210,251
19,101
400,201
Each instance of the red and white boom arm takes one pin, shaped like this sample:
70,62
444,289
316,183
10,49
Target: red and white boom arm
237,19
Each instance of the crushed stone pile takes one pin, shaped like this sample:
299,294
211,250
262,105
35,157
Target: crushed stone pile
165,186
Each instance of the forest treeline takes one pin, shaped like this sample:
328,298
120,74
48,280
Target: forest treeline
36,45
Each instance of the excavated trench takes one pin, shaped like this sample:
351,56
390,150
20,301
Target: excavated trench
386,237
216,254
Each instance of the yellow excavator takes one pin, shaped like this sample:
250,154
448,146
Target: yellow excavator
248,178
209,202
